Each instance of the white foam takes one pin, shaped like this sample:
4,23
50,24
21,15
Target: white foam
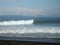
32,30
16,22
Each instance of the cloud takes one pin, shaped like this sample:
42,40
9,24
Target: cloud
26,11
21,11
29,11
54,12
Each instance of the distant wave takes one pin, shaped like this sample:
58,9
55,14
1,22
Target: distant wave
12,22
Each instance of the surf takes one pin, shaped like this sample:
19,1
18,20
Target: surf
19,22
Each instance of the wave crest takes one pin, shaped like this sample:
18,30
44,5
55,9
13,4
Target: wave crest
12,22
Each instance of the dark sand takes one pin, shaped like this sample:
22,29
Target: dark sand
12,42
24,42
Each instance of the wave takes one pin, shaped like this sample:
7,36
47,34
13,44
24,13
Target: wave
13,22
46,31
30,29
46,21
19,22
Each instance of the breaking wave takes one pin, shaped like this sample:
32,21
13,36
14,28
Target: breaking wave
12,22
42,31
19,22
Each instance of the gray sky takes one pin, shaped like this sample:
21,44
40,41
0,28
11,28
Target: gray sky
30,7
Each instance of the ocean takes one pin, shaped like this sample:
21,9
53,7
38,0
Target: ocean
30,27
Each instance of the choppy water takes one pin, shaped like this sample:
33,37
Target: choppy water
27,28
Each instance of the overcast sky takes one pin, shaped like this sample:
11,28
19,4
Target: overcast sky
30,7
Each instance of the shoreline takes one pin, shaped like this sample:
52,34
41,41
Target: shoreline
13,42
28,41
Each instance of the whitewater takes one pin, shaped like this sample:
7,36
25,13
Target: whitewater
12,22
27,28
30,31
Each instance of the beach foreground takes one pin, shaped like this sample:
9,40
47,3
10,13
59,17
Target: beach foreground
28,41
10,42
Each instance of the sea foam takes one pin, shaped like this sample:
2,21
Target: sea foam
12,22
30,31
22,30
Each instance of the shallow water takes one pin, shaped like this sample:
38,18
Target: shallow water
41,30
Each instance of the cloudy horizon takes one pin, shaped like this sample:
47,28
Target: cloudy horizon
30,8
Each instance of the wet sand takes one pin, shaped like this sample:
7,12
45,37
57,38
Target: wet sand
26,41
12,42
